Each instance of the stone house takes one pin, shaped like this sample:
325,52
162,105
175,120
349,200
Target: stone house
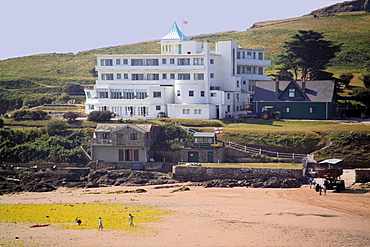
122,142
206,149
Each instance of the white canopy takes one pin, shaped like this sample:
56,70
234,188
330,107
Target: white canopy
330,161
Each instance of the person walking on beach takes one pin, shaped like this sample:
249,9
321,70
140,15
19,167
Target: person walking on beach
100,224
131,220
324,189
78,221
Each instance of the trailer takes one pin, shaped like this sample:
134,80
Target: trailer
329,172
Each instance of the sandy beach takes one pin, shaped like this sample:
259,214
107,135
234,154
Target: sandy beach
211,217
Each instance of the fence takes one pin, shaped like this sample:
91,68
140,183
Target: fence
277,155
245,165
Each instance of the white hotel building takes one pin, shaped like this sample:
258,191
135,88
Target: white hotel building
187,80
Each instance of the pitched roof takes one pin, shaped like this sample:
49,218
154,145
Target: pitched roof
115,127
314,91
175,34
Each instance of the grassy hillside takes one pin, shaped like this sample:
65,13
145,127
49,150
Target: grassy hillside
351,29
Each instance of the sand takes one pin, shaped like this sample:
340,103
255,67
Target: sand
211,217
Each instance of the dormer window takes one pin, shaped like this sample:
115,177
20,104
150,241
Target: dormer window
291,92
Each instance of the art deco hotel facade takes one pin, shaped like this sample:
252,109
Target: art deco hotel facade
187,80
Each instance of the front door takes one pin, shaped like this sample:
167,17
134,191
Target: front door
193,156
210,157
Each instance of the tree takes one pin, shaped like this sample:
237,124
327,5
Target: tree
346,78
362,95
366,80
71,116
308,53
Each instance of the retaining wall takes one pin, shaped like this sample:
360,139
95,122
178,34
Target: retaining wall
362,175
199,174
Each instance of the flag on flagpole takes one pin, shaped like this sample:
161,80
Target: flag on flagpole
185,22
218,130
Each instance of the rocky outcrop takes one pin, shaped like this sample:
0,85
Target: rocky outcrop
348,6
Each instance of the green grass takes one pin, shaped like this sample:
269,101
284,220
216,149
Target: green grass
63,215
351,29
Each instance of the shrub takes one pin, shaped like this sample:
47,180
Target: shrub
55,127
99,116
366,80
71,116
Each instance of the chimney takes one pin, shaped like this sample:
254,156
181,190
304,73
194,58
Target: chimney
303,86
277,90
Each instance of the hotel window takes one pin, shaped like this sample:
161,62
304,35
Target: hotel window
152,62
164,61
137,62
249,70
88,95
157,107
106,62
238,55
212,61
105,135
285,109
183,61
260,55
125,76
198,61
228,96
312,109
125,61
178,93
184,76
115,93
291,93
172,76
141,93
260,71
244,82
237,83
243,54
201,93
238,69
237,97
198,76
212,75
249,53
107,77
172,61
254,55
152,77
157,94
102,93
119,76
91,107
118,61
164,76
213,94
228,108
137,77
191,93
128,93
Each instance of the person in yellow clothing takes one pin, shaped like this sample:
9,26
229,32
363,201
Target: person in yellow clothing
131,220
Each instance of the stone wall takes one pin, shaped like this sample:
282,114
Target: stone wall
362,175
199,174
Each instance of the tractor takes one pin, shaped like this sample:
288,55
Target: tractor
269,113
328,173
